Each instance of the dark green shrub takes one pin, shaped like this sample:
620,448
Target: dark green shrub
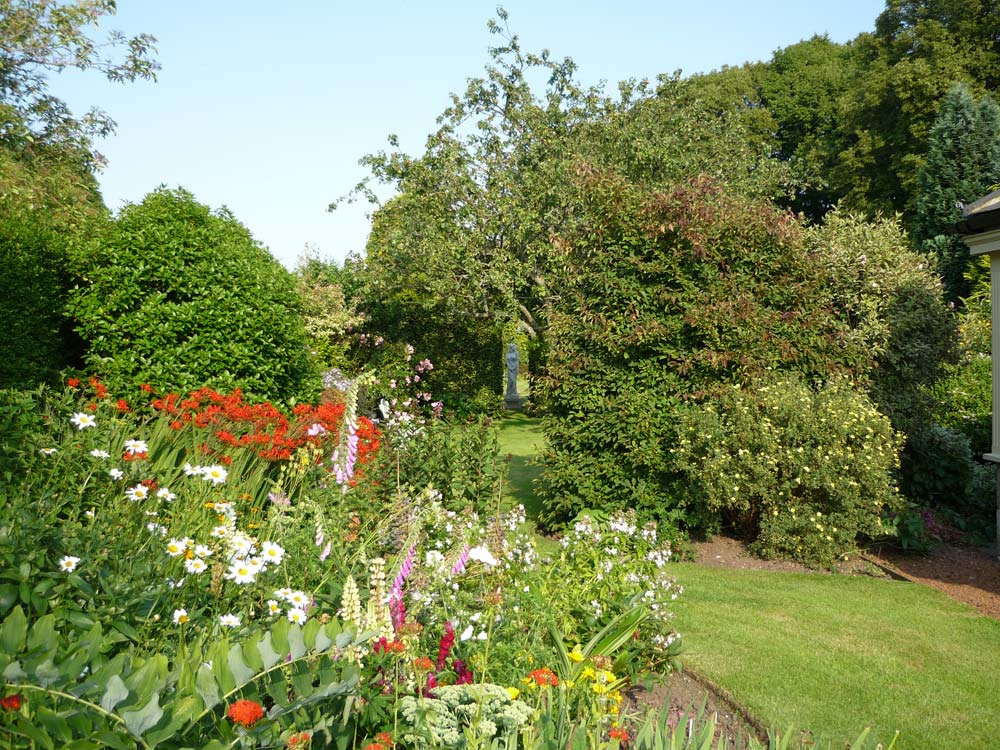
800,472
667,297
467,352
179,296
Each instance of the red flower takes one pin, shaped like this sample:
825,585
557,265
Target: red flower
299,740
11,702
423,664
544,677
121,404
146,387
73,382
245,712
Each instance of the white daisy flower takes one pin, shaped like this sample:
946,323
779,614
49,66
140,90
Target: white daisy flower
156,528
68,564
180,616
242,571
82,420
48,451
116,473
229,621
273,608
241,545
177,547
89,513
216,474
298,599
139,492
195,565
193,471
225,509
136,446
272,553
283,593
219,532
97,453
202,551
164,494
296,615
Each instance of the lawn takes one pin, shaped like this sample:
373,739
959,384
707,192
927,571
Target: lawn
830,653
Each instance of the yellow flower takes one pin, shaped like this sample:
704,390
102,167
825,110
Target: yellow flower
588,673
576,654
513,692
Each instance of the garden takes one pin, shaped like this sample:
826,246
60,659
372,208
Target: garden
248,507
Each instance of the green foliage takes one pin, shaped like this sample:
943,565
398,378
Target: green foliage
74,690
329,317
466,352
963,162
800,472
668,297
891,299
180,297
965,394
39,37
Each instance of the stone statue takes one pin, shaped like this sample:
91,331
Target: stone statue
511,397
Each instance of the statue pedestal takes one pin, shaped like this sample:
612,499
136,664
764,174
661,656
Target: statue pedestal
512,403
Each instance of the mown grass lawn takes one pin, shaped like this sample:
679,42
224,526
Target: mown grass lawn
521,437
833,653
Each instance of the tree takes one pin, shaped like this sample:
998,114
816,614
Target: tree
178,296
963,162
38,37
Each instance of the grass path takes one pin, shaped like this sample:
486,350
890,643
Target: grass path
830,653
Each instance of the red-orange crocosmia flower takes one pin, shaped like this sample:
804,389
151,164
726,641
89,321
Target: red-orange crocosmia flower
11,702
423,664
245,712
544,677
73,382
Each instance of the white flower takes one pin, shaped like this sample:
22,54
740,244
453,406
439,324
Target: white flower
68,563
273,608
482,636
180,616
229,621
116,473
97,453
216,474
164,494
155,528
225,509
298,599
136,446
48,451
89,513
82,420
219,532
139,492
296,615
202,551
283,593
193,471
466,634
241,545
195,565
242,571
177,547
272,553
483,555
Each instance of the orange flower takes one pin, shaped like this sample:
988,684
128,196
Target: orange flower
73,382
619,734
245,712
384,739
544,677
423,664
299,740
11,702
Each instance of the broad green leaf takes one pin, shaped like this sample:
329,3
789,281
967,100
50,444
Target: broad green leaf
269,656
242,674
43,633
296,642
279,636
13,672
323,641
150,678
54,724
302,680
114,693
207,688
251,655
145,718
47,673
312,627
29,728
13,632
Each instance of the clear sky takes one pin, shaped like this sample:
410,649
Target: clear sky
266,107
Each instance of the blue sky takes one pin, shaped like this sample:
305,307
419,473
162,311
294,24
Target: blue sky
266,107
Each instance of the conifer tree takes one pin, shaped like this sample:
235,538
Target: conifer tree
963,162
